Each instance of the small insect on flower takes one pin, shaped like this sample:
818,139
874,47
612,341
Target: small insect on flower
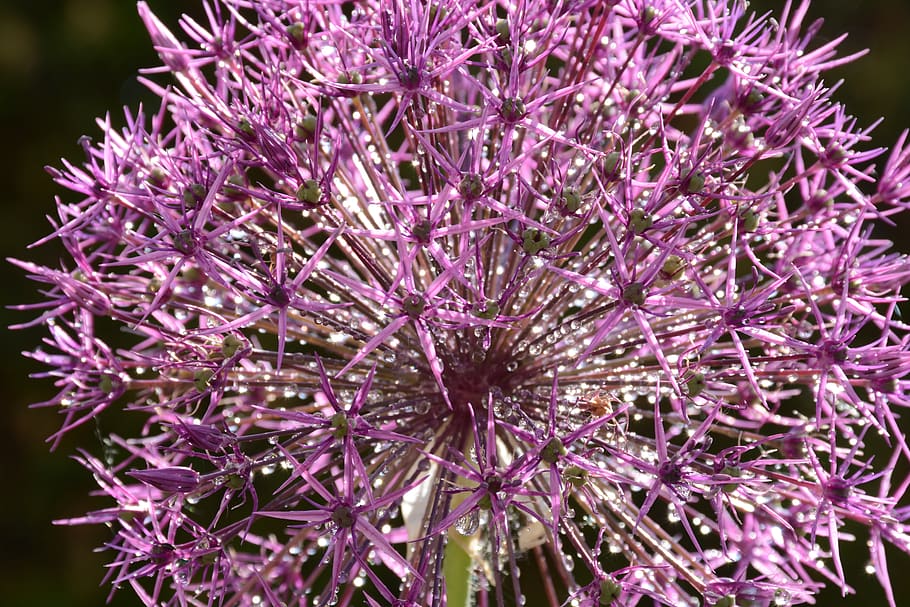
598,403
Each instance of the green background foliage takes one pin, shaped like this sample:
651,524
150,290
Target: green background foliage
64,62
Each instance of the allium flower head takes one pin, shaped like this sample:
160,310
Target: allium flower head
465,302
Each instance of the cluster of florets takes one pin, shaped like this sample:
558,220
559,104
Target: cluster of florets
404,300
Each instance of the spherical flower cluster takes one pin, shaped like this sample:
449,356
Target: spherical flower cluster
464,302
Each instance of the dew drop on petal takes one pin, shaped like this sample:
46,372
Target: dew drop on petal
468,524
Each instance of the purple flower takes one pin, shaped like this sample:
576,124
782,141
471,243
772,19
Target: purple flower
455,303
176,479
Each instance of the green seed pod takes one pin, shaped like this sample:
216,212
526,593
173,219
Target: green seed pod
343,516
533,241
246,128
748,220
413,305
649,14
202,378
552,451
422,230
310,192
752,99
236,481
727,601
639,221
305,127
512,109
502,31
731,471
609,591
821,199
612,162
192,275
340,425
350,78
107,384
634,294
672,268
297,33
488,310
575,476
696,385
158,178
471,186
230,345
193,195
695,182
571,199
234,187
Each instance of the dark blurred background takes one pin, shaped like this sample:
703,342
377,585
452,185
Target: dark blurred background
64,62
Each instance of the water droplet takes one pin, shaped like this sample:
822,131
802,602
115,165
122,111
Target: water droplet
468,524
